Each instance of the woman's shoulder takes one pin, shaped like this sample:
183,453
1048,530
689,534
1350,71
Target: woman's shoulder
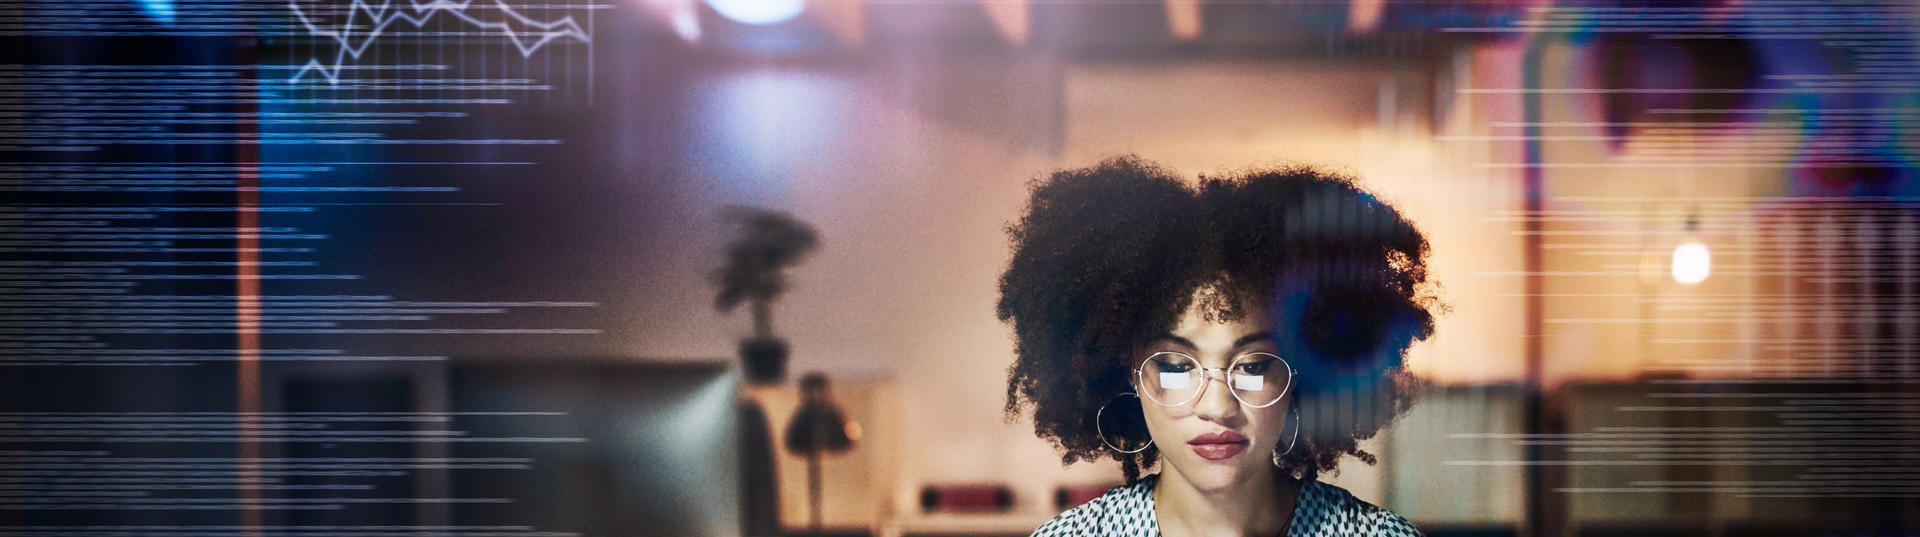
1123,511
1330,510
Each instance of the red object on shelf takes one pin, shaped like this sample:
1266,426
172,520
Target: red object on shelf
966,498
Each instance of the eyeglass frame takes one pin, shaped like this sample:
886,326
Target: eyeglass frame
1140,379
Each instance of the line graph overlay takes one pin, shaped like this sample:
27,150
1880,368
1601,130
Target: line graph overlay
534,34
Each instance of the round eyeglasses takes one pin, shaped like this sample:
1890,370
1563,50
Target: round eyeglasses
1257,379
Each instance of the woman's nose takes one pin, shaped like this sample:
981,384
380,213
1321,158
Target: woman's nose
1216,403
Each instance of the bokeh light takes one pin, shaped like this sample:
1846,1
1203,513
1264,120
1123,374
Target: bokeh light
1691,263
758,11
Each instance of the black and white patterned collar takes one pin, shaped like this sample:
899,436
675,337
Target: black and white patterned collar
1322,510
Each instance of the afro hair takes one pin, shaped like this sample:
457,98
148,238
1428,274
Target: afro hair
1107,256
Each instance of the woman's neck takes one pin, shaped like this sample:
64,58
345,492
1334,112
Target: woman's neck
1258,507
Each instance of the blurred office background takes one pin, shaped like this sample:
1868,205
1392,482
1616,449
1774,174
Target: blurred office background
1569,161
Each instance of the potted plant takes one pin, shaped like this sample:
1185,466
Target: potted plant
768,242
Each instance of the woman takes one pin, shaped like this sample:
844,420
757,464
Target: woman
1240,336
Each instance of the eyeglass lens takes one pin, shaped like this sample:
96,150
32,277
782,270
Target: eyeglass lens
1257,379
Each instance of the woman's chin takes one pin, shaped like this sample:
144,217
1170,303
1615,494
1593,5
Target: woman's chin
1217,476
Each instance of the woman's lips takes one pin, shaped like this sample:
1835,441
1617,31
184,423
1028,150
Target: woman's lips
1220,445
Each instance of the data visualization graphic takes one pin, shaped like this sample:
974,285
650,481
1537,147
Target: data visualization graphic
364,23
211,324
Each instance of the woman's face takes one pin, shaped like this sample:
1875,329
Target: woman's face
1215,441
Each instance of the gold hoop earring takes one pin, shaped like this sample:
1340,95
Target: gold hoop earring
1290,443
1097,418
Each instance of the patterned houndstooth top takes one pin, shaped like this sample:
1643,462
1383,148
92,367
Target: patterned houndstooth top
1322,511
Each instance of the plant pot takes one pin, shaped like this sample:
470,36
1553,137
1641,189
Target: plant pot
764,360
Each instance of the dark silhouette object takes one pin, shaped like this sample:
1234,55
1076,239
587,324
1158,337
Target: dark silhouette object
817,428
759,488
768,243
1642,61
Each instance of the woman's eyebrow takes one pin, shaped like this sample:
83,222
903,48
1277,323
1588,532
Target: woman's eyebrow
1256,337
1245,340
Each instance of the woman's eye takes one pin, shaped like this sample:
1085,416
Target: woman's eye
1173,367
1256,368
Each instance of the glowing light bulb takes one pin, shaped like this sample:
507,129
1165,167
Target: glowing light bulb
758,11
1692,263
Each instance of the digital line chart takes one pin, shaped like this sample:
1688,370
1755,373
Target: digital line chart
366,22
